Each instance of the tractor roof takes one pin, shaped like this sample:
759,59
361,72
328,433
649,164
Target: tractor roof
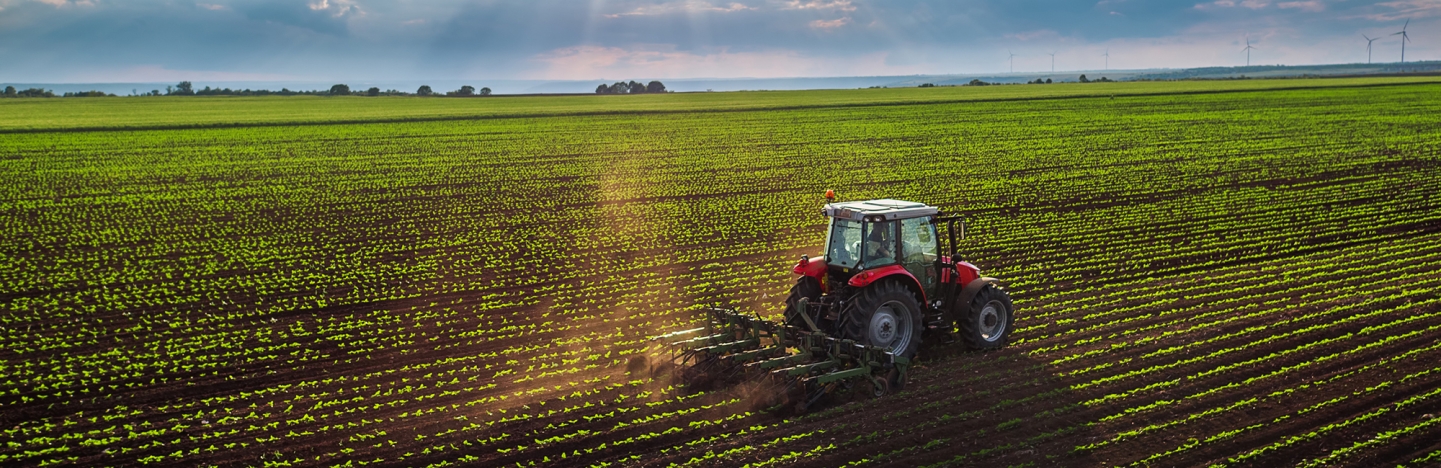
885,208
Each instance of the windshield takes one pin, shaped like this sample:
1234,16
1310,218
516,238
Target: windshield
843,245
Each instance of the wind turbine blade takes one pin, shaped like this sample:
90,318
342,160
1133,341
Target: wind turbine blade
1408,23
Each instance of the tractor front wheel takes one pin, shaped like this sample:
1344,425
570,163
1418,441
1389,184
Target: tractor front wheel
885,315
989,320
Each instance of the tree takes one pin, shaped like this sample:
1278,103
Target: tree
339,90
373,91
1084,80
424,90
9,91
466,90
602,89
655,87
636,88
484,91
182,89
91,93
1048,81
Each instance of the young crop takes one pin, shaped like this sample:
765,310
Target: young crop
1200,274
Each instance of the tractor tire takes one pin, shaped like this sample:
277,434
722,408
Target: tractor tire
989,320
884,315
809,288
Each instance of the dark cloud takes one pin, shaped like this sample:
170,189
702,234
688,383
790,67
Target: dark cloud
387,39
319,17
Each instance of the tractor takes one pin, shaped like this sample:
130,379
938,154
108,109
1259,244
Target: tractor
884,283
860,311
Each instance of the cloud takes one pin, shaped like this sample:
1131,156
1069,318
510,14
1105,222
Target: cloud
1308,5
1252,4
322,16
66,3
687,6
662,61
337,8
1033,35
159,73
1407,9
508,39
838,5
831,24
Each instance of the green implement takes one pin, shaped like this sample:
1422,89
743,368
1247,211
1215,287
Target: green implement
802,360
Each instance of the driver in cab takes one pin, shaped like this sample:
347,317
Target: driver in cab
880,247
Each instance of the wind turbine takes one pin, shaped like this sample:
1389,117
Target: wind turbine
1107,55
1404,38
1013,61
1248,51
1368,48
1053,62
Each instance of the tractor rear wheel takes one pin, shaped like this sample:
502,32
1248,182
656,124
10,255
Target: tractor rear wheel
884,315
988,322
808,288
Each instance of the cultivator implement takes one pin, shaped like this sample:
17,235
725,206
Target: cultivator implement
804,364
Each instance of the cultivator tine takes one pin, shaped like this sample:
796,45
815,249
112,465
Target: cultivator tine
806,369
781,361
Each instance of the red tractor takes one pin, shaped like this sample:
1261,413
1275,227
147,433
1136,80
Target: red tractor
858,313
883,281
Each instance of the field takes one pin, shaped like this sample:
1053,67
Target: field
1228,273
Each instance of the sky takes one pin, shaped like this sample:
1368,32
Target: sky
334,40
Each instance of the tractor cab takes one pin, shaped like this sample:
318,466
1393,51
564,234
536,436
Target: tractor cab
867,235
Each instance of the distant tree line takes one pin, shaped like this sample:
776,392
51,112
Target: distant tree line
633,87
11,92
423,90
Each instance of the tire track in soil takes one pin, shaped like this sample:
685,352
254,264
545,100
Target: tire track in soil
1148,447
1320,446
1210,426
932,380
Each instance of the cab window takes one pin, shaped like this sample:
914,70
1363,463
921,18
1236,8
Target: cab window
880,244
